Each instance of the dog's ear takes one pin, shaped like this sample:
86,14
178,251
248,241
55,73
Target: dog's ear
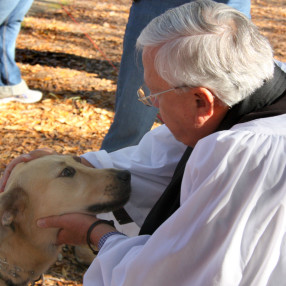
12,203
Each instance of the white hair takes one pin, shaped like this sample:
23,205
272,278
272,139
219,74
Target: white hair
207,44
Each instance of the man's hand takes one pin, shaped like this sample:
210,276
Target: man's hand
74,227
23,158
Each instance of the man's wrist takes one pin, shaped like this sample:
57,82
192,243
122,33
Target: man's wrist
97,229
104,230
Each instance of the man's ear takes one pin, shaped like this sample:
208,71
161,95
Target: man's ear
12,204
204,101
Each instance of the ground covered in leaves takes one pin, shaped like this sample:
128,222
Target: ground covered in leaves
71,52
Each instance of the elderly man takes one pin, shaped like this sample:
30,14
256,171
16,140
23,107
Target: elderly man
133,120
209,188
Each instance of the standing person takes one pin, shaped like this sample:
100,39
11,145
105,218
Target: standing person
208,186
132,120
12,86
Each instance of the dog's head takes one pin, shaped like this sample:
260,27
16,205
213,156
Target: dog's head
52,185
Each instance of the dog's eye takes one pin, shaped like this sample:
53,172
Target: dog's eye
67,172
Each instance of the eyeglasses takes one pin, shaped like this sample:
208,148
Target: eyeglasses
144,95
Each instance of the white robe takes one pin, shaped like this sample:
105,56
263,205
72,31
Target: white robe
230,227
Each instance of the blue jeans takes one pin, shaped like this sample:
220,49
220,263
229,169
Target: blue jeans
132,118
281,65
12,13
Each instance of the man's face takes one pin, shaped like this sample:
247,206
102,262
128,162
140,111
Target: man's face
177,108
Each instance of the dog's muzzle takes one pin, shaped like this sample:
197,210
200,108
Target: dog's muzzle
117,193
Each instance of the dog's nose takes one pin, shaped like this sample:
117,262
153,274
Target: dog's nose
124,175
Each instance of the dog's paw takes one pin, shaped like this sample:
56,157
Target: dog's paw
83,255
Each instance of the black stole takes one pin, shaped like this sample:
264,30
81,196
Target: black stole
269,100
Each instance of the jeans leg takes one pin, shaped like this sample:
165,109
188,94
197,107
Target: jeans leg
241,5
132,118
11,15
281,65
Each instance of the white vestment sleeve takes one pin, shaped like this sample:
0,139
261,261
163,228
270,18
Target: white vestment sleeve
230,227
151,163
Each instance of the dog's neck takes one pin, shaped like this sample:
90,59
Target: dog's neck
16,266
25,252
13,275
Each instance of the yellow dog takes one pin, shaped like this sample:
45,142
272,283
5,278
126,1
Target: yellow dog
50,185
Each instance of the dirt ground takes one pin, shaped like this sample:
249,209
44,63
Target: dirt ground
71,52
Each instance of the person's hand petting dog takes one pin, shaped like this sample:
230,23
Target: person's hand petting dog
28,157
74,228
